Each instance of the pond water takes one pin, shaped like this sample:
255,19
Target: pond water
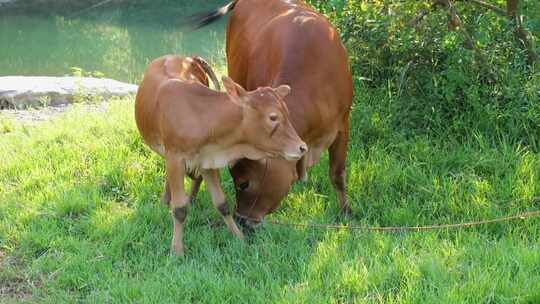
118,43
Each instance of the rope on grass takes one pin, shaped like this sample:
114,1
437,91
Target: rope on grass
519,216
102,3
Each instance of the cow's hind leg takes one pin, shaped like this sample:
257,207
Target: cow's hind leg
179,202
211,178
338,159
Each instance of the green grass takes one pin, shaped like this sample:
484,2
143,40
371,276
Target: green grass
80,220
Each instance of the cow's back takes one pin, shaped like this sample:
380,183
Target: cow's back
285,42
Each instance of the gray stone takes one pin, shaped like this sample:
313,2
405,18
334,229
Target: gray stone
19,92
7,3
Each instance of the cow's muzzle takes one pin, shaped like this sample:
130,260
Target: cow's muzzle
247,222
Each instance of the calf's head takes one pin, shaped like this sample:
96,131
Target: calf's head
265,120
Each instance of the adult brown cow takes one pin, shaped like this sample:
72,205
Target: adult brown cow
198,130
271,42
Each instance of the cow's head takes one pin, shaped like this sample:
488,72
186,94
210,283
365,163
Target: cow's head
260,187
265,120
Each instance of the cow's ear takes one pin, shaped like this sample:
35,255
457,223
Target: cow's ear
283,90
235,91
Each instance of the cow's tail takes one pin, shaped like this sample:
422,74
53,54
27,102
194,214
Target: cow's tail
202,19
209,71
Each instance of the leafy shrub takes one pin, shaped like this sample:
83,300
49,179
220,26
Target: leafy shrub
433,81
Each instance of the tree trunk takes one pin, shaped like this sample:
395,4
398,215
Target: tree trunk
512,7
523,36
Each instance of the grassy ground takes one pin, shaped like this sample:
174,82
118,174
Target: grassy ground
80,221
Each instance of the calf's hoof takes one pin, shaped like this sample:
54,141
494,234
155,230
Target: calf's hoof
177,250
240,235
233,228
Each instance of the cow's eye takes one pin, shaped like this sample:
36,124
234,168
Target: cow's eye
243,186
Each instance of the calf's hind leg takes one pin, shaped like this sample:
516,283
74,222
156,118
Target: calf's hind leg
211,178
166,196
338,158
179,202
195,185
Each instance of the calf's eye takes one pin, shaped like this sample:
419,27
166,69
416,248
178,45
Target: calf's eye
273,116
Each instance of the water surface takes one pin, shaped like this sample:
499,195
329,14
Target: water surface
118,42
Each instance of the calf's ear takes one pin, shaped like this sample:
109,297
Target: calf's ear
283,90
234,89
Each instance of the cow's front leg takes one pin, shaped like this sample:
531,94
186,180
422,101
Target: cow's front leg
179,202
301,169
211,178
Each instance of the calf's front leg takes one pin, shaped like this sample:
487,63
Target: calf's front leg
179,201
211,178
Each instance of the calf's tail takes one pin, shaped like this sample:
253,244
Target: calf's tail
209,71
202,19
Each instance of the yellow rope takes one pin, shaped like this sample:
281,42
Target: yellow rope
520,216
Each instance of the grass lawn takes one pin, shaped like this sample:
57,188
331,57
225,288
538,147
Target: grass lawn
80,221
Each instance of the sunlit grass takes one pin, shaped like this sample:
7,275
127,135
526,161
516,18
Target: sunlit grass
80,220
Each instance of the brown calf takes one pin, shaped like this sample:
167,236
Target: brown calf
198,130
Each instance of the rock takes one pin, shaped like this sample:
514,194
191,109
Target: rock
38,115
7,3
19,92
